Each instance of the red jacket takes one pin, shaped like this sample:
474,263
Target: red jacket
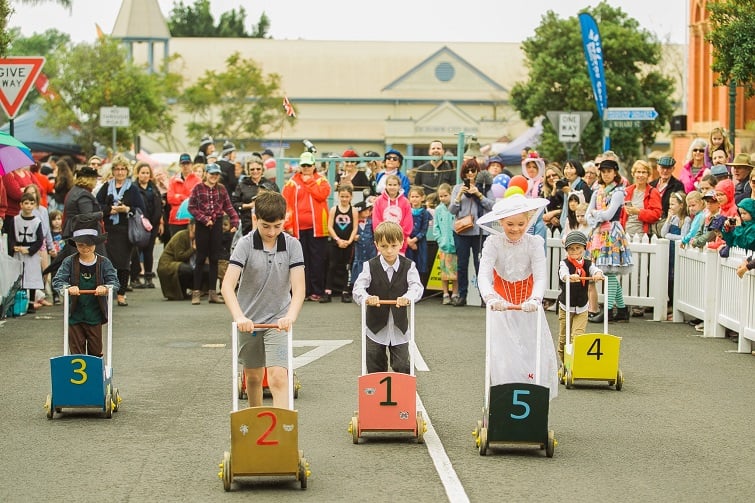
315,192
178,190
652,210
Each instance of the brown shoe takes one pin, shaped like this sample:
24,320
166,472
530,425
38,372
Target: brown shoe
195,297
214,298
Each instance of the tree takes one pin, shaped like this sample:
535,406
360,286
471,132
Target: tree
558,80
732,36
97,75
197,21
6,10
240,103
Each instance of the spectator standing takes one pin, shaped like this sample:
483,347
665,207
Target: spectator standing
417,241
64,181
208,202
248,187
179,189
393,206
306,195
15,182
351,174
666,184
153,203
25,240
393,159
443,228
227,163
206,147
642,203
694,167
268,162
435,171
342,228
364,244
741,169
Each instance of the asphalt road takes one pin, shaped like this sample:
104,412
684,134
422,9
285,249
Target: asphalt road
680,430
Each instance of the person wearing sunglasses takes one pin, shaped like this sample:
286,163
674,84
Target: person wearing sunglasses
392,160
694,167
251,181
741,171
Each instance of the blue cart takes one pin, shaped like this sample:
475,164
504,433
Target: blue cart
83,381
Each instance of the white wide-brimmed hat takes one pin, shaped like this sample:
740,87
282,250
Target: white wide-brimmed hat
510,206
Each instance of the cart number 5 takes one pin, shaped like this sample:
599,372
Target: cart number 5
262,439
81,371
520,403
595,349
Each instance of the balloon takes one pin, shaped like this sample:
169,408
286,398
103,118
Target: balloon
498,190
519,181
513,190
502,180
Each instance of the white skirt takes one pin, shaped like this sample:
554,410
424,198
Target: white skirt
32,271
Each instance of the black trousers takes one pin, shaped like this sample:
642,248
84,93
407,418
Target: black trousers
209,247
314,250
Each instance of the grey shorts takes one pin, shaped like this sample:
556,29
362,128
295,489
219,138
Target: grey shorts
263,348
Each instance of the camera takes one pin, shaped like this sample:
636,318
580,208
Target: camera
732,222
310,146
562,184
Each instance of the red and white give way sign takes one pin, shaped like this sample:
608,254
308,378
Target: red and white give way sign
17,76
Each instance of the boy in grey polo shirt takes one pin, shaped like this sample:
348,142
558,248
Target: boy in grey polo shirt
269,265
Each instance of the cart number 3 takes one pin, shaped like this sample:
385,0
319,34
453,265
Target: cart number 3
520,403
81,371
595,349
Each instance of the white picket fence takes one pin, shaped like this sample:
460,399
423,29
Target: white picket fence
707,287
646,284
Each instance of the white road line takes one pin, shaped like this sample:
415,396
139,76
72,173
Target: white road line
454,490
419,362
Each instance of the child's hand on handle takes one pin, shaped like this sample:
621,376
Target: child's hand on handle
574,278
372,300
100,291
285,323
530,306
599,276
498,305
245,324
73,290
402,302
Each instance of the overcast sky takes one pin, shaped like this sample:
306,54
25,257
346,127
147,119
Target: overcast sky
391,20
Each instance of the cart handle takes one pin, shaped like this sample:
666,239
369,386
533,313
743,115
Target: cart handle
87,292
265,325
592,278
384,302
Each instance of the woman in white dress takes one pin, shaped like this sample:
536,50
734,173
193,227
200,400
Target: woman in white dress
513,273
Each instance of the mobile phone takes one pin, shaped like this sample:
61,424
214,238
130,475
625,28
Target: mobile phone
466,183
628,204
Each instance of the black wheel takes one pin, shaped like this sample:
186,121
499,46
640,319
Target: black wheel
619,380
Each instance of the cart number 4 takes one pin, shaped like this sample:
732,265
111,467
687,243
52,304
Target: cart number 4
519,403
80,371
595,349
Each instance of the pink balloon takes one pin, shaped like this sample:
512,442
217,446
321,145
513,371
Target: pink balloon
498,190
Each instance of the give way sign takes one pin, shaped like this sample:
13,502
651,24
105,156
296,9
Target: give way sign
17,76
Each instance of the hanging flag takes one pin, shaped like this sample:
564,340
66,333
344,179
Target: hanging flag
100,33
43,87
593,48
288,107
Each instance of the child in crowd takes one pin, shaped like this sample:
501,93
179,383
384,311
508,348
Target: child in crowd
364,241
226,242
270,265
740,231
86,270
389,276
417,241
443,228
572,268
58,243
513,271
432,202
342,228
708,182
569,219
25,240
675,227
710,233
725,195
393,206
48,250
696,210
718,140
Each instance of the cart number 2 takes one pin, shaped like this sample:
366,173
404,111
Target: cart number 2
519,403
262,439
81,370
595,349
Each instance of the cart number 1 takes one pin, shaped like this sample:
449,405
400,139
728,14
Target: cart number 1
388,401
80,371
595,349
520,403
262,439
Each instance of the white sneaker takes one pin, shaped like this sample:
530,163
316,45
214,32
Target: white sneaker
700,327
446,300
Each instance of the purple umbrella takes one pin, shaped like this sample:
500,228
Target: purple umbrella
13,158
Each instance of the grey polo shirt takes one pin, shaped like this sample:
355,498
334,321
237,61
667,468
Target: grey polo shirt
264,291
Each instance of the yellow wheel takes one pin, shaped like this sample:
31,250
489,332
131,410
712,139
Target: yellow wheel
303,472
116,399
49,408
619,380
227,476
354,429
569,381
551,445
561,373
108,406
420,428
483,441
240,386
476,431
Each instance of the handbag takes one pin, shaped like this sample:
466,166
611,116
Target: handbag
138,234
463,224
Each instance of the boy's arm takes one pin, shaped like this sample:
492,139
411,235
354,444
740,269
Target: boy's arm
359,292
298,289
563,271
61,280
228,290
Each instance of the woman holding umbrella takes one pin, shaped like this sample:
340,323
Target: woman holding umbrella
117,198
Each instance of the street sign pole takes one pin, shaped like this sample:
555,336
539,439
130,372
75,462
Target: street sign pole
569,126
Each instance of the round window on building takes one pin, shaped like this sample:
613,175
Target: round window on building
444,72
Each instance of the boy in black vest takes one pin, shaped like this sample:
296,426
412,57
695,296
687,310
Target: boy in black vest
389,276
574,267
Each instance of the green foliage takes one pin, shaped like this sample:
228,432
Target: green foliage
558,80
732,36
197,21
240,103
97,75
5,37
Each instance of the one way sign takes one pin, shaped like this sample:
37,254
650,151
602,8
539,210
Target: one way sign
569,125
17,76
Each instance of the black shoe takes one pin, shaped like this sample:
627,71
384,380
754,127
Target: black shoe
596,317
325,299
622,315
138,284
460,302
129,288
149,283
346,298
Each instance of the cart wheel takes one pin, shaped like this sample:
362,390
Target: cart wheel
476,432
49,408
420,428
569,381
551,445
619,380
226,466
354,429
116,399
108,406
242,390
561,373
303,472
483,441
297,385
